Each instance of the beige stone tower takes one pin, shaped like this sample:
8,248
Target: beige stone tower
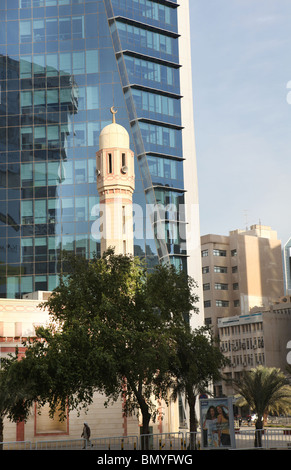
115,184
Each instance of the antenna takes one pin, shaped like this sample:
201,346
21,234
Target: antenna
246,219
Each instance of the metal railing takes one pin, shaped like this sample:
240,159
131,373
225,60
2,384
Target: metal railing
60,444
268,438
280,420
114,443
265,439
162,441
192,441
16,445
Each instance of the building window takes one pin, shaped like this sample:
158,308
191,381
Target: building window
109,163
222,303
47,425
160,137
234,252
217,252
235,286
206,286
236,303
155,103
207,303
260,342
123,221
234,269
204,253
205,270
220,269
145,70
164,168
148,40
220,286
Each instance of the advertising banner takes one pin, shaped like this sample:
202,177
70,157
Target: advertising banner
217,423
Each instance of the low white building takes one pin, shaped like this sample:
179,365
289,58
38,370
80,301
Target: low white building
259,338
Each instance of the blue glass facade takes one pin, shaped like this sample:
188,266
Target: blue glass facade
63,64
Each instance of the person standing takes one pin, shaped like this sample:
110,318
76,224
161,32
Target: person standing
223,425
210,432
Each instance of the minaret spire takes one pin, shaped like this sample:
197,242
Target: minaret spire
113,112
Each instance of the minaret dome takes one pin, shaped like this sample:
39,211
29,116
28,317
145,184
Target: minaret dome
114,135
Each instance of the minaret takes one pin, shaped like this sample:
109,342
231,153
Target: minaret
115,184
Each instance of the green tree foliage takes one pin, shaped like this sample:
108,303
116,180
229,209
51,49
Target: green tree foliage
110,331
6,392
12,391
121,330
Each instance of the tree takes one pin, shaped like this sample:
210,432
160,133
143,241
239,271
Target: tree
196,363
265,390
6,395
110,331
12,393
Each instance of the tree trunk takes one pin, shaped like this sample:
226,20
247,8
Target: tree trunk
146,416
259,432
1,432
145,427
193,421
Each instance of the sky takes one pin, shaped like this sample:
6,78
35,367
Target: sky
241,66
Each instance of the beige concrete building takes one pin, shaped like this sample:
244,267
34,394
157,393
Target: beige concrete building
258,338
287,266
244,303
240,271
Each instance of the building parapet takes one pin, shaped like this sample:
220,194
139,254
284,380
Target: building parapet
239,319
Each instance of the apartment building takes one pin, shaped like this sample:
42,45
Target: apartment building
240,271
258,338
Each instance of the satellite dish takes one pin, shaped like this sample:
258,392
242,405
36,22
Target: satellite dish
124,169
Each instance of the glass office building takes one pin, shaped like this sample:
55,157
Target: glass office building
63,64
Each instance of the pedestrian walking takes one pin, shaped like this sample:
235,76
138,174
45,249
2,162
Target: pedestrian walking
86,435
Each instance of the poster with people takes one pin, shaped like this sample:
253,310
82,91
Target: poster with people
217,423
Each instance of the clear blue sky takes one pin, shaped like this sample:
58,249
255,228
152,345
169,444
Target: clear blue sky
241,63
